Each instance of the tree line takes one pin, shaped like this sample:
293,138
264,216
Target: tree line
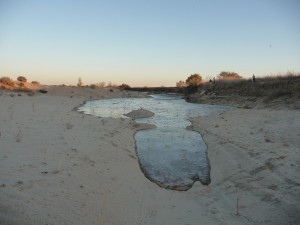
196,79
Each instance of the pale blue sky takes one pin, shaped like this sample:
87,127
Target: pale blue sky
147,43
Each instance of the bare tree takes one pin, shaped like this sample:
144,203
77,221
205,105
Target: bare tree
180,84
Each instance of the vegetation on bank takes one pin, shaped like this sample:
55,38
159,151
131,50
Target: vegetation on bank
283,89
20,84
7,81
249,87
265,86
227,85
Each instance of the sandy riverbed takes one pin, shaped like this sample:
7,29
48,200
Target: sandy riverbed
59,166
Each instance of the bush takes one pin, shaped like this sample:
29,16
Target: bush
7,81
125,87
191,89
43,91
194,80
35,82
229,75
180,84
22,79
93,86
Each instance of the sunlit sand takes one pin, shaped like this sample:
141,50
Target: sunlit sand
59,166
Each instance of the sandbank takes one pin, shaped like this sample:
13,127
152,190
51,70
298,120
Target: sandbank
59,166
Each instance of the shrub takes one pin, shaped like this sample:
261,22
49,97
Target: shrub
194,80
180,84
35,82
93,86
125,86
22,79
43,91
7,81
229,75
191,89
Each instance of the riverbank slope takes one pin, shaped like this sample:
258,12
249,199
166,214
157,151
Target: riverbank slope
277,92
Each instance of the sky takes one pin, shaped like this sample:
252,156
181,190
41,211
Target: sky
147,42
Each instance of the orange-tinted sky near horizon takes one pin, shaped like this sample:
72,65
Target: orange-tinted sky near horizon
147,43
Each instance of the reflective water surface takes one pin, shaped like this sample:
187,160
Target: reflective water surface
169,155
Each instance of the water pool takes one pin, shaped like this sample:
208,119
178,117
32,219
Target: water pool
170,155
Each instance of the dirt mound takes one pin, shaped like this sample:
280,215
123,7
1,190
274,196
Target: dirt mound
139,113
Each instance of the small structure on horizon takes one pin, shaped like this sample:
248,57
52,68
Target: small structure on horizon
253,78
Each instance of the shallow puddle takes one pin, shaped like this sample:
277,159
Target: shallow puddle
169,155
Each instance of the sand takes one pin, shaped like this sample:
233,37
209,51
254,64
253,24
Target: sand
59,166
139,113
